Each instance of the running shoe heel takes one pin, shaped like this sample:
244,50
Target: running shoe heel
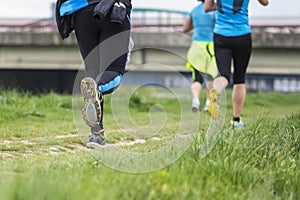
91,112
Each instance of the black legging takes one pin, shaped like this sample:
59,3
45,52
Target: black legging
237,49
103,46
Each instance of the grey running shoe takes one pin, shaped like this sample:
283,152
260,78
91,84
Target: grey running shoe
96,139
91,112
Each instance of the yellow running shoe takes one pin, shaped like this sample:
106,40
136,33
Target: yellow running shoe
91,111
213,108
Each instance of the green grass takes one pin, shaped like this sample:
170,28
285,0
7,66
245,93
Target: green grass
43,158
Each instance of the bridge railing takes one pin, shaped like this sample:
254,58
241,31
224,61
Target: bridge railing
274,66
154,19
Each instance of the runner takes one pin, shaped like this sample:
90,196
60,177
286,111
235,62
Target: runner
102,29
201,58
232,41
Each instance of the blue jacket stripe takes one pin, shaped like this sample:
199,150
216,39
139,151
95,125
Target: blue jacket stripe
72,6
111,85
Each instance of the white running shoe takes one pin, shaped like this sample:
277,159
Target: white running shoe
195,105
206,105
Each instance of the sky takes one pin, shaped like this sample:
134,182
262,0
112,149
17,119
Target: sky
42,8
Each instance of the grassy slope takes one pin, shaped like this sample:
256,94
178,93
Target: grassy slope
42,158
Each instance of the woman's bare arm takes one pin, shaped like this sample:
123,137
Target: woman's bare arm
264,2
209,5
188,25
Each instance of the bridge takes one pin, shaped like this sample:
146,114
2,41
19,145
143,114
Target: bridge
28,48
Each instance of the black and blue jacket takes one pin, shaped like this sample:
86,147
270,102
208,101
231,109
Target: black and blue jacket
66,8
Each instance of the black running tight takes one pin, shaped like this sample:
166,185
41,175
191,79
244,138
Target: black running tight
103,46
